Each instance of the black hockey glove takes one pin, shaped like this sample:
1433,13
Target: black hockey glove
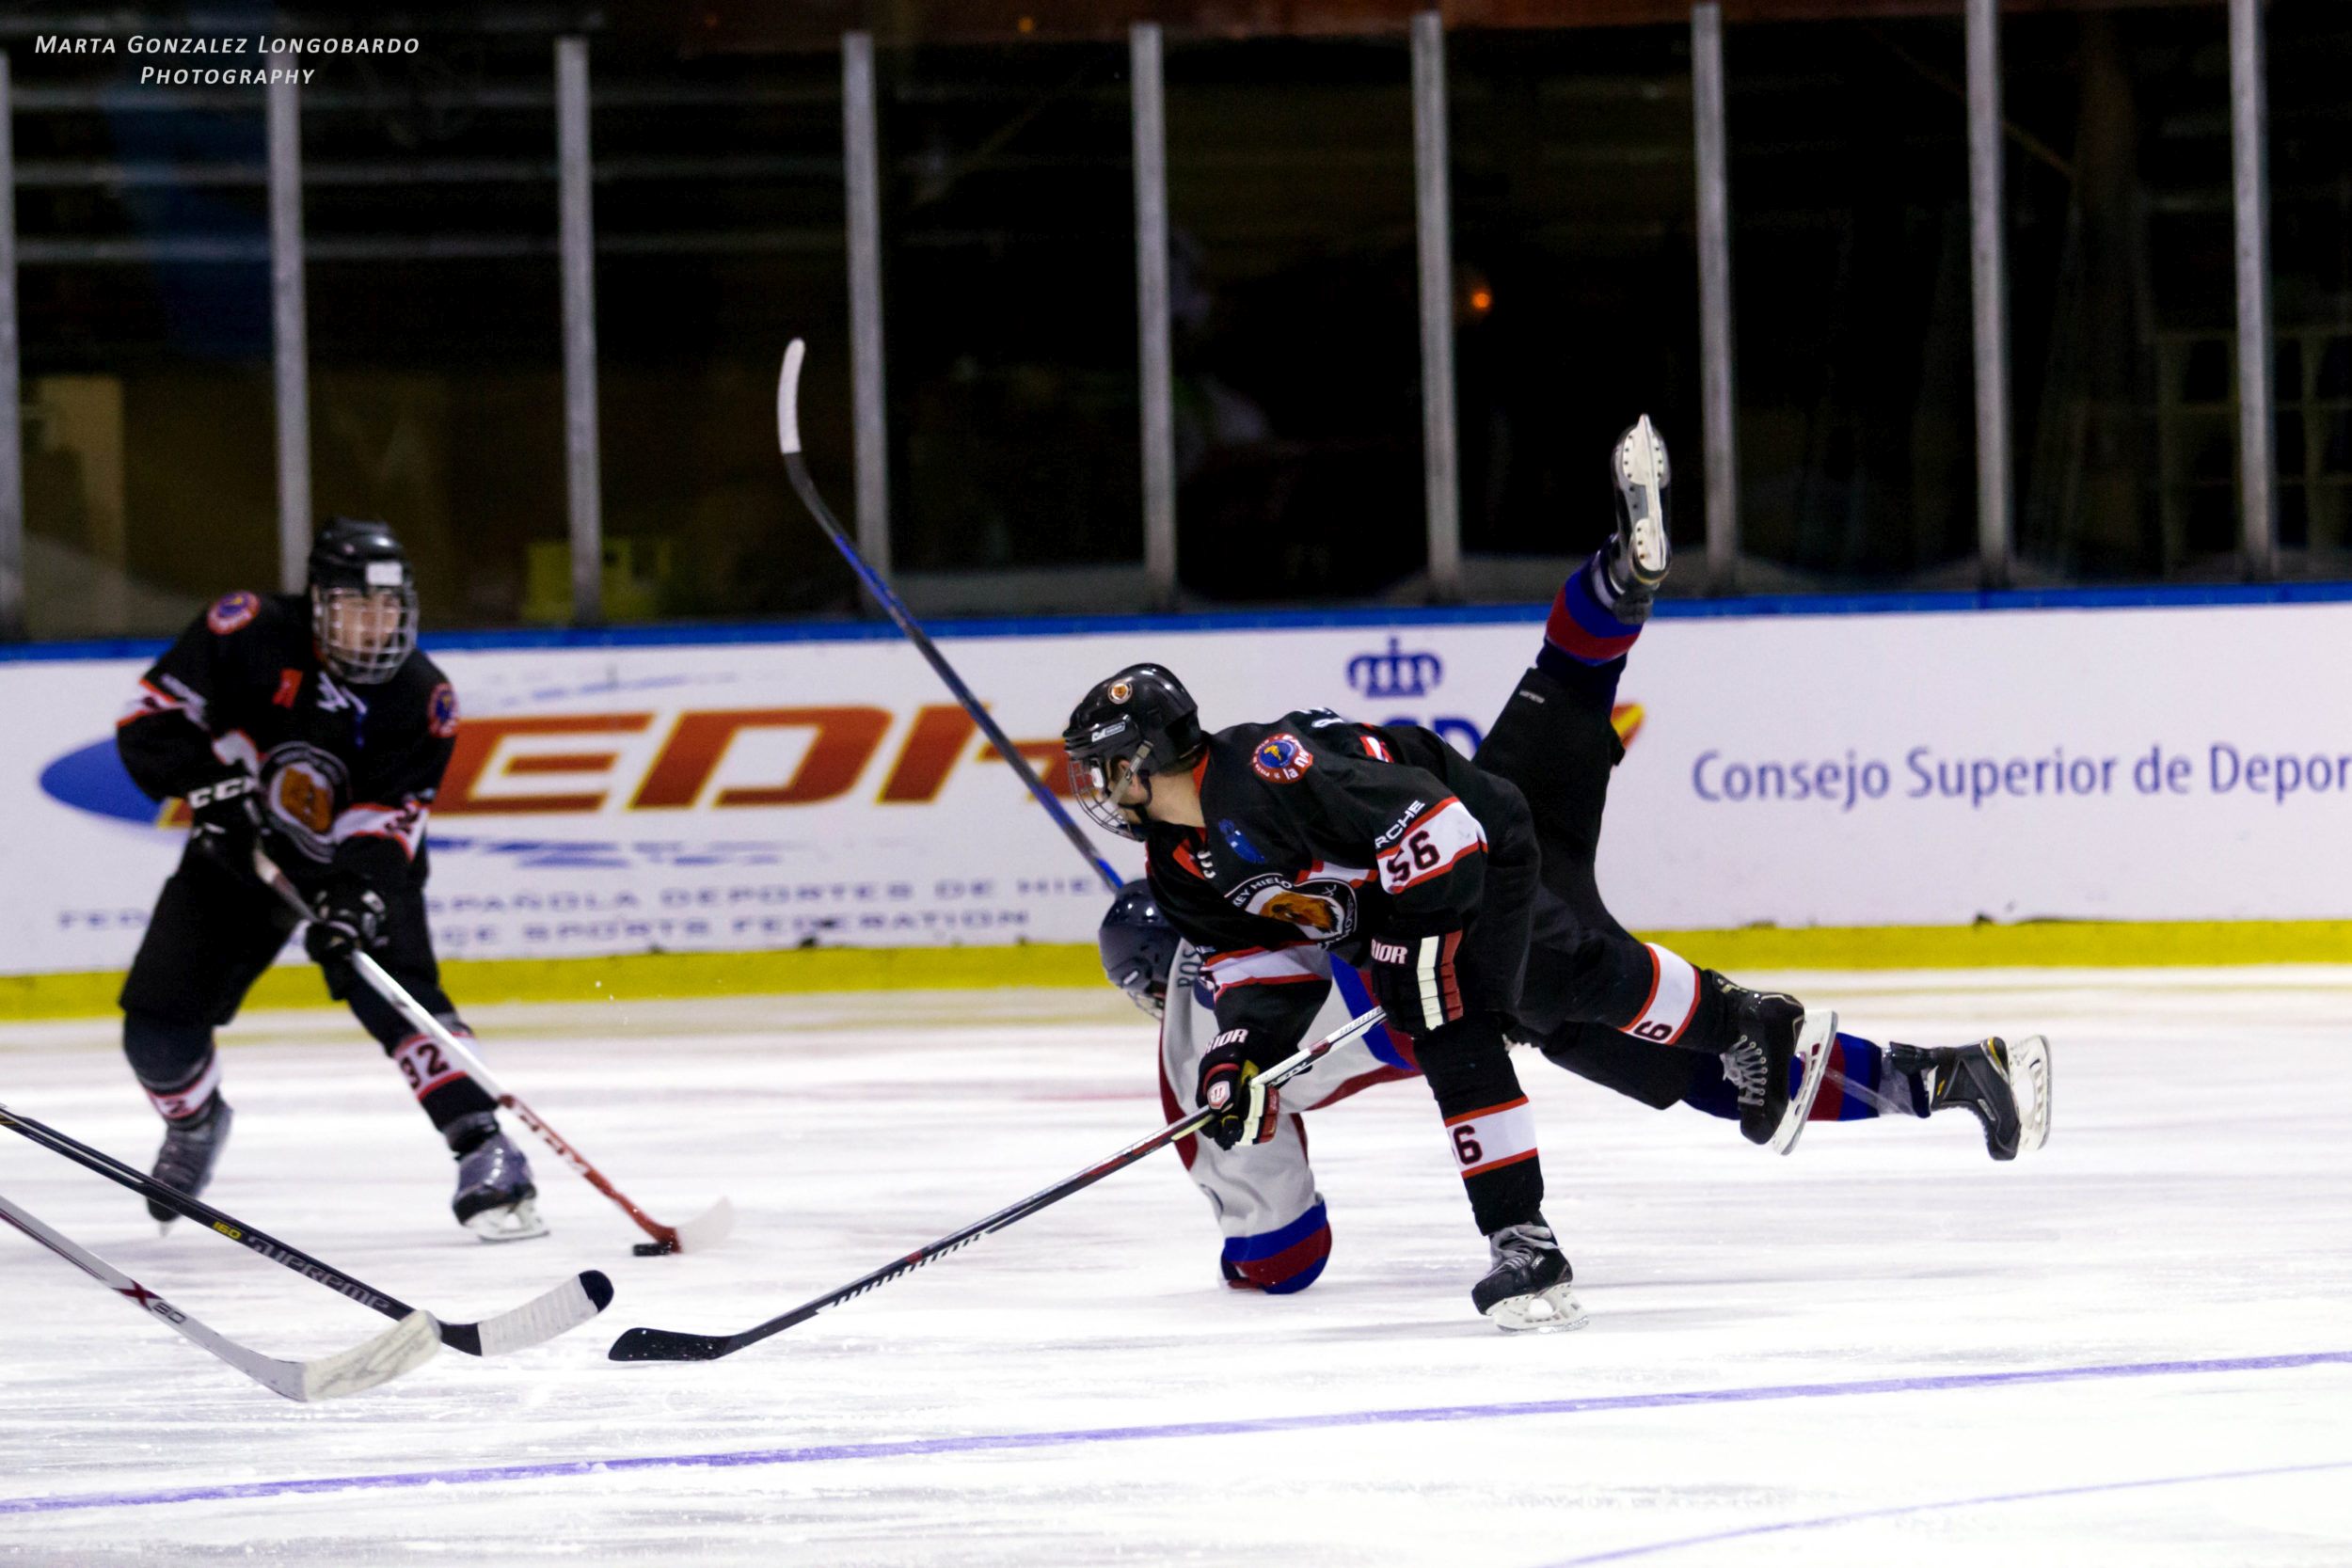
227,820
1247,1109
1413,980
350,919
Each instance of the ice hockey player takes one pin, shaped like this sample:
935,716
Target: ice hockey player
309,726
1437,875
1276,1229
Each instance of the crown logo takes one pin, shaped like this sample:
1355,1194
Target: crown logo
1395,673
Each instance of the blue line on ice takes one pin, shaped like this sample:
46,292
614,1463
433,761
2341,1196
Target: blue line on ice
1825,1521
988,1442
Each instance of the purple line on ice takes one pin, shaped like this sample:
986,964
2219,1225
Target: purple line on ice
1826,1521
999,1442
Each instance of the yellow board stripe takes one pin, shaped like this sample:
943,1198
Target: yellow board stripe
641,977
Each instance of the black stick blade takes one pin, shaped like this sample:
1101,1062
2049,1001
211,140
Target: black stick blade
662,1344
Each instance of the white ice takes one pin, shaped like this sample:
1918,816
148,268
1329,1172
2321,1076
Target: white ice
2193,1206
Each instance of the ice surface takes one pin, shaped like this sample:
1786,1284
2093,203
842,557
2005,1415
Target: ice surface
1789,1360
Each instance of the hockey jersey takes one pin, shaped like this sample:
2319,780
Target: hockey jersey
1277,1234
347,772
1322,832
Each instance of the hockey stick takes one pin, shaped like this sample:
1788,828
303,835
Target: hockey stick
408,1343
566,1306
662,1344
696,1235
788,437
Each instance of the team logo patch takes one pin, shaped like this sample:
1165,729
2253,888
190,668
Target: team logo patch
233,612
1281,758
442,710
1320,911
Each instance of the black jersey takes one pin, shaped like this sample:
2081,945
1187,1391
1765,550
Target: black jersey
1321,831
347,771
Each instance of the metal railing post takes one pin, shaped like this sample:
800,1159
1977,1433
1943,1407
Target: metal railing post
1988,278
12,418
578,241
1717,403
862,172
1434,227
290,345
2249,170
1155,363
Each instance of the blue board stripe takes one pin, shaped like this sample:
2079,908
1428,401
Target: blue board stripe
676,635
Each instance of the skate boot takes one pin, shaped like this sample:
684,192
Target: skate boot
1528,1287
1774,1030
1986,1078
191,1148
495,1199
1640,552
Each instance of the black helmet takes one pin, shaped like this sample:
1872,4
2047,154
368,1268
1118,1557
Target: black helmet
1139,948
1142,716
363,599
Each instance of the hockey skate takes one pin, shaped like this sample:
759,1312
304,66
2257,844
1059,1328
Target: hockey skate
1775,1031
496,1200
1527,1289
1988,1078
191,1148
1640,550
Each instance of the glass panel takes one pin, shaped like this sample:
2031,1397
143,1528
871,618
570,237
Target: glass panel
2310,45
144,313
1009,296
1575,268
719,238
1296,318
436,317
1849,275
2122,292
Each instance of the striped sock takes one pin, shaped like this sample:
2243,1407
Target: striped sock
1584,628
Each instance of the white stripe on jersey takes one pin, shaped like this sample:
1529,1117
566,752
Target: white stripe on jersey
1674,997
1430,845
1261,966
1493,1138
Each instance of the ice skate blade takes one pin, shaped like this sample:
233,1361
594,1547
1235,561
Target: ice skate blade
1553,1310
1642,479
2030,1071
517,1222
1814,1039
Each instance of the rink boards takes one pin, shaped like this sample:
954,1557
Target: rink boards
660,794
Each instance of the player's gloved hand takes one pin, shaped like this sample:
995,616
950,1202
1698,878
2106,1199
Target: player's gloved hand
350,919
1247,1109
226,820
1413,980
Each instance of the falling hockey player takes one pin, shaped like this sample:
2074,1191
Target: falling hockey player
313,728
1471,911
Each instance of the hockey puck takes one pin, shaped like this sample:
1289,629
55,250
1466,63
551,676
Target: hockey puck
649,1249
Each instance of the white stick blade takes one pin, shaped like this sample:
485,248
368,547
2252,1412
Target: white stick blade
1813,1042
406,1345
706,1229
788,398
536,1322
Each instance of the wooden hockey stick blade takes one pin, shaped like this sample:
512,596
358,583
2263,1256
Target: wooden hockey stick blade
406,1345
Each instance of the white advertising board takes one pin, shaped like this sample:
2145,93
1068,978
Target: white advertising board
2112,764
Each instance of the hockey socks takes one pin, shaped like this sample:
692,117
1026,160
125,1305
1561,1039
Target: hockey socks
175,1063
1489,1129
1857,1086
1585,631
441,1087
